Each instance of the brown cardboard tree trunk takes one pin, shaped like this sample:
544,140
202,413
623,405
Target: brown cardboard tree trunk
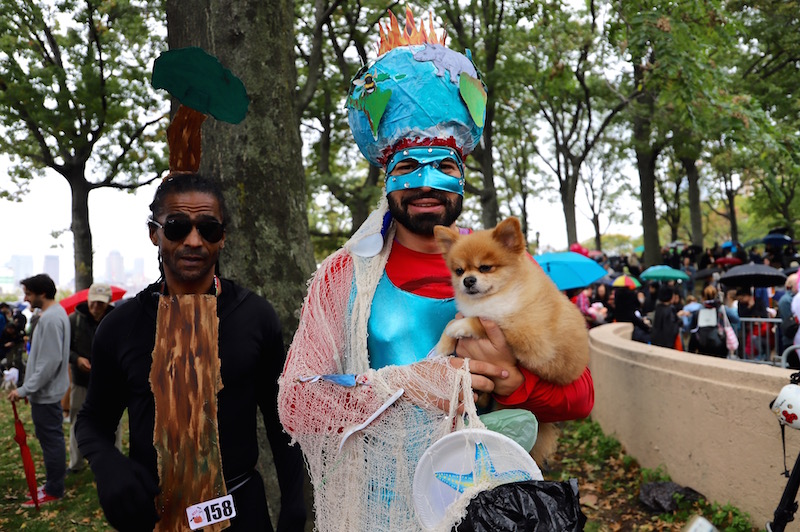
185,379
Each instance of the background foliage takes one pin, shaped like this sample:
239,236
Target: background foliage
75,98
686,109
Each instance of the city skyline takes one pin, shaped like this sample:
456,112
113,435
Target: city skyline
115,268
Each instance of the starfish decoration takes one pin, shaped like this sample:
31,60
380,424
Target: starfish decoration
483,471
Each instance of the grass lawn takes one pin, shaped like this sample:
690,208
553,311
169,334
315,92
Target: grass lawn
78,510
609,482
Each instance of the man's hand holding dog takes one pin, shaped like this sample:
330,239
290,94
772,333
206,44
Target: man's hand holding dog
491,358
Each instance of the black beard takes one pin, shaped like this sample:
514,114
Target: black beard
170,262
423,224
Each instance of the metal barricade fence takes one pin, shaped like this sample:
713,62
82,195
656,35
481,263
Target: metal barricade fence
760,340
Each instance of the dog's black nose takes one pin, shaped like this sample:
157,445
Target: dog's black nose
470,281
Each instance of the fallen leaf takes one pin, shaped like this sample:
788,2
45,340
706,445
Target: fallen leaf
589,500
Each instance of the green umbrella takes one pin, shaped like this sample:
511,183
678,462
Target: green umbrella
662,272
200,82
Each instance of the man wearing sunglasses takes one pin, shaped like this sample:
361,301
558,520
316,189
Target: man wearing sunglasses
187,224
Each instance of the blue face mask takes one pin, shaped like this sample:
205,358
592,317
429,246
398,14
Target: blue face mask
427,173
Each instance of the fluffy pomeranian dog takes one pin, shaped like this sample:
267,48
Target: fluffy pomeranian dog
495,278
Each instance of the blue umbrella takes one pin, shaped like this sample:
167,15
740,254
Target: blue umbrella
569,269
662,272
776,239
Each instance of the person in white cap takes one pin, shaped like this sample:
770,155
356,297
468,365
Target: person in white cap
83,325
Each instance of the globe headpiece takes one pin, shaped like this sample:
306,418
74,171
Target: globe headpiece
417,93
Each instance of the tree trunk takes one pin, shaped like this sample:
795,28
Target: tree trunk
258,161
646,158
81,233
490,210
695,211
731,195
570,183
568,204
598,238
526,226
361,205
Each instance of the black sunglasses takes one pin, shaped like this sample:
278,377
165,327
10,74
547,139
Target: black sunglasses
176,229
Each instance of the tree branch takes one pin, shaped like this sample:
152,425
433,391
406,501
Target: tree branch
322,16
96,134
131,186
126,148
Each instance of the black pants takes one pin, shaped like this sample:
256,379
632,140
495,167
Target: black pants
250,501
48,419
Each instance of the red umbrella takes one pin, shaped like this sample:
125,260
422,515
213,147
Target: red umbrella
27,460
595,254
69,303
577,248
728,261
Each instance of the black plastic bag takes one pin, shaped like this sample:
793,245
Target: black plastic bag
659,497
531,506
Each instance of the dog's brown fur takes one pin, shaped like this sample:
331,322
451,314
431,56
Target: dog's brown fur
545,330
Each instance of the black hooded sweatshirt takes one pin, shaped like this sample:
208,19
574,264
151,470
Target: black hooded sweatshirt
252,354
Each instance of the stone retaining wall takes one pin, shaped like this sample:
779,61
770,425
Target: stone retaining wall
705,420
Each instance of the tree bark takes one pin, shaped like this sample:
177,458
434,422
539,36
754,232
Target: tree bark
490,211
695,212
81,232
730,195
568,202
646,157
258,162
598,237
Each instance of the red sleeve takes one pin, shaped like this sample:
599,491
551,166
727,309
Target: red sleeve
553,402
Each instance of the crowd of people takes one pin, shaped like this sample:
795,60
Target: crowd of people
693,314
13,340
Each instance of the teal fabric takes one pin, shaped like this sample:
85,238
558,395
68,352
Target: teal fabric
403,327
427,174
519,425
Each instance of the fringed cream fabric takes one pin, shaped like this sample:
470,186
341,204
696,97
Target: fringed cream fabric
368,485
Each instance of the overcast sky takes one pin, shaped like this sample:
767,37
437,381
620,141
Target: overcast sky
118,218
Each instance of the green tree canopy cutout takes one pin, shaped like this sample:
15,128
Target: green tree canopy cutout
204,87
198,80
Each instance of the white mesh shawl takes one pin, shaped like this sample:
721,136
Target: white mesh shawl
366,486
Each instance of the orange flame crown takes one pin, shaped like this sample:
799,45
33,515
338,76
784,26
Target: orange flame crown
393,37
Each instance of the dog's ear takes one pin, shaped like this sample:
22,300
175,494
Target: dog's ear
445,237
509,234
